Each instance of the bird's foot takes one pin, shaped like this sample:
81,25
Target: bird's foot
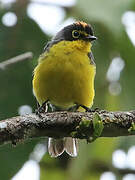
41,109
73,108
89,109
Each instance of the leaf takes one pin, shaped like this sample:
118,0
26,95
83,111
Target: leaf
97,125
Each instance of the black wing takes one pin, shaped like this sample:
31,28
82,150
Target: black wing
47,46
91,57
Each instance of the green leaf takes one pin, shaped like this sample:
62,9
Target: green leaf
97,125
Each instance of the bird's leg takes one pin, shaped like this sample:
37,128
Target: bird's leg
85,107
38,105
76,106
41,109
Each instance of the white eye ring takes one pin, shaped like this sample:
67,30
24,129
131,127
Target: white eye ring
75,34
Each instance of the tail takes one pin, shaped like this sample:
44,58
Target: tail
57,146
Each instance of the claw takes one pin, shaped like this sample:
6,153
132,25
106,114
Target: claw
73,108
41,109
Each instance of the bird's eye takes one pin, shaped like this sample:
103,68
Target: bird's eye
75,34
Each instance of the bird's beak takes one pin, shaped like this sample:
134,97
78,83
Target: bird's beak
90,38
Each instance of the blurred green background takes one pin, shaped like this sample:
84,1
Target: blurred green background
26,26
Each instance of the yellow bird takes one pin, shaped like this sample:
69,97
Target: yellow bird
64,77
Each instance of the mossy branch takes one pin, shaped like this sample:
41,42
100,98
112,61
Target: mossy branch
64,124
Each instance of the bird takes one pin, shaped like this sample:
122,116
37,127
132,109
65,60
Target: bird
64,78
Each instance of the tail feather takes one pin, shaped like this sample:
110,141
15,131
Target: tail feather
57,146
71,146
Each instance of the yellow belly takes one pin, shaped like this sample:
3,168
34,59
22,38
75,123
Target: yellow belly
64,79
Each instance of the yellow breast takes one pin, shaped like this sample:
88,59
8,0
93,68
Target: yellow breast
65,76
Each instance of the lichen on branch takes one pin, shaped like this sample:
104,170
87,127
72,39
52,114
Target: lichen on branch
67,124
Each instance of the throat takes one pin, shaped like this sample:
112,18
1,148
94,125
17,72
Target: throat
71,46
81,45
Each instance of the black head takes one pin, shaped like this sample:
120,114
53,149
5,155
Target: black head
76,31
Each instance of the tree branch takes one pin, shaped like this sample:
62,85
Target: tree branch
22,57
64,124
